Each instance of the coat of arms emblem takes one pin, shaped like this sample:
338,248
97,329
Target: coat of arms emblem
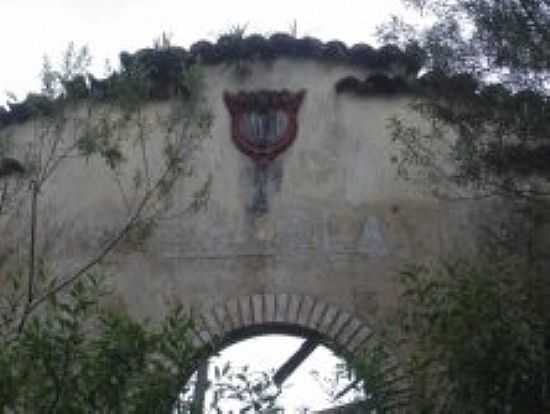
263,123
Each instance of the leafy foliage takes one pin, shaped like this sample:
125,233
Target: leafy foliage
477,329
385,384
80,357
254,390
69,78
487,84
480,338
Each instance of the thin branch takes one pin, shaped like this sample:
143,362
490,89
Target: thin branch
99,257
3,196
143,149
55,163
121,190
53,149
32,253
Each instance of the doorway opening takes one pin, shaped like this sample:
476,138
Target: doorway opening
275,373
284,353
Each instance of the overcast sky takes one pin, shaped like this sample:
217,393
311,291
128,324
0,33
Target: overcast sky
302,389
29,29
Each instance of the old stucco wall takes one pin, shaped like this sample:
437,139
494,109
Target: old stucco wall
339,225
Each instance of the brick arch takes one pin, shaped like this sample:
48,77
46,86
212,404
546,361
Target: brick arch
294,314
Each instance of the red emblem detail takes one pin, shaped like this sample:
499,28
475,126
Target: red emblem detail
263,123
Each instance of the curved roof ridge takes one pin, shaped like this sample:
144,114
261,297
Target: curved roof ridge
162,66
235,46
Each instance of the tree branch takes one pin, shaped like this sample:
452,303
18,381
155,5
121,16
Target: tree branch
30,307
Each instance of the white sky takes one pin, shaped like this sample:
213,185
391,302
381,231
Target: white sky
29,29
301,390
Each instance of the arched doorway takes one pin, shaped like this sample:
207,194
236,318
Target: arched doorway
300,329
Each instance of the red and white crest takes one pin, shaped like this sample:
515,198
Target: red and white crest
263,123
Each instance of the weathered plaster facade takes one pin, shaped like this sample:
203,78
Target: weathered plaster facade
326,253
